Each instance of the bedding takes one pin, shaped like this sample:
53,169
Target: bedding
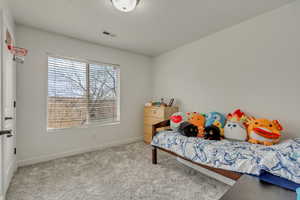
280,160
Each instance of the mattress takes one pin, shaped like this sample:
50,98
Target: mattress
282,160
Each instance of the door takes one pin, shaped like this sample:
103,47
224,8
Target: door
8,113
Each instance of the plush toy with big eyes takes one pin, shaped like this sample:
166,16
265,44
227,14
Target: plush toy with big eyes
264,131
187,129
217,120
176,119
215,116
198,120
235,128
235,131
212,133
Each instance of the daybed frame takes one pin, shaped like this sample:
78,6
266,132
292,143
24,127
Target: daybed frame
229,174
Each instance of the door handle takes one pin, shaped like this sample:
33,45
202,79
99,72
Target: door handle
8,118
6,132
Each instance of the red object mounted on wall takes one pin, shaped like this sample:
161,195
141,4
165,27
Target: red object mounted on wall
17,51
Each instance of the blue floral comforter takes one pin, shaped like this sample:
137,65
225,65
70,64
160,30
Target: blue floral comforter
281,160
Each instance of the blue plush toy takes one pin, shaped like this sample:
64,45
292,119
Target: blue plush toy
298,193
215,119
212,117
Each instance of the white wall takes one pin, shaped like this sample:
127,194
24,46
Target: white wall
254,66
33,142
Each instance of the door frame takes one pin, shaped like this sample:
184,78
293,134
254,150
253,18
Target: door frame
1,115
5,26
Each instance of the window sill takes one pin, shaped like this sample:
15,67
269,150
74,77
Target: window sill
58,130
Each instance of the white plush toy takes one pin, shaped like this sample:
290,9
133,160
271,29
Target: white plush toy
235,131
235,126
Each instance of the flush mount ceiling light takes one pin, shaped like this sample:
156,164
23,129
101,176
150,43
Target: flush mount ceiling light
125,5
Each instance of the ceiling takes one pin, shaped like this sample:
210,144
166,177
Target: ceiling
156,26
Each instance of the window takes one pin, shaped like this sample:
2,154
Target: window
81,93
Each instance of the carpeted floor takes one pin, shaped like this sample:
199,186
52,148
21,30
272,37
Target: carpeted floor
123,172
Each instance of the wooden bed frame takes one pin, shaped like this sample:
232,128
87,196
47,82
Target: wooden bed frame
229,174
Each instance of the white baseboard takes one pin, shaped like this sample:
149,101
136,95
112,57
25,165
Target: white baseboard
207,172
9,175
45,158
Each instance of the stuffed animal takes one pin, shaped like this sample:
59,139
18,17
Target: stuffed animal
214,116
197,120
264,131
215,119
237,115
177,119
220,126
212,133
235,126
187,129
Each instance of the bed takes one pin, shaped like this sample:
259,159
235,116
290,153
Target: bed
231,158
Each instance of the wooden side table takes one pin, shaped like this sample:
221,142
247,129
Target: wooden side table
153,115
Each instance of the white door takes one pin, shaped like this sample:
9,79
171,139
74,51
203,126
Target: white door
8,114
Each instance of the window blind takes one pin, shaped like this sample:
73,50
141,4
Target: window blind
81,93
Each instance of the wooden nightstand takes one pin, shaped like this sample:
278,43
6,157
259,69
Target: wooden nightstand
153,115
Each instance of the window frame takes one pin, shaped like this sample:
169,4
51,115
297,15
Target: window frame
89,125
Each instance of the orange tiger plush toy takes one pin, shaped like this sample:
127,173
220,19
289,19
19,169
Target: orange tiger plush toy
264,131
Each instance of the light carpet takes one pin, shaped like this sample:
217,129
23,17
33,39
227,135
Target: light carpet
123,172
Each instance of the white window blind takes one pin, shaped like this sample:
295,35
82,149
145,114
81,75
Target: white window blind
81,93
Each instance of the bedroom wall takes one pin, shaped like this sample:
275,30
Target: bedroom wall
254,66
34,143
